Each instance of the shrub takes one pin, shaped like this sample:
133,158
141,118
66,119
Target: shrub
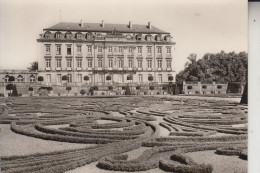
138,87
219,87
110,88
82,92
95,88
150,78
108,78
204,86
15,92
129,77
151,87
68,88
30,89
40,79
170,78
123,87
9,87
11,78
189,87
127,91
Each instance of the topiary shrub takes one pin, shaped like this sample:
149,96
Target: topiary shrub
150,78
86,78
151,87
15,92
91,91
170,78
64,78
9,87
11,78
110,88
40,79
127,91
30,89
82,92
189,87
123,87
219,87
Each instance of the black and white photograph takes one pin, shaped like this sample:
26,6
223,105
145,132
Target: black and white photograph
115,86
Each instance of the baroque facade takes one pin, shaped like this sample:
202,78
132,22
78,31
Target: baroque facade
100,53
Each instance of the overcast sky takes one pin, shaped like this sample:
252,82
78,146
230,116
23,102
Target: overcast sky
197,26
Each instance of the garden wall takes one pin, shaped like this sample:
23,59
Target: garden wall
200,88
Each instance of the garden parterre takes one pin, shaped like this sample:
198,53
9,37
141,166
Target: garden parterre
192,126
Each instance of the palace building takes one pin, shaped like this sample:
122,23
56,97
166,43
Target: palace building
103,53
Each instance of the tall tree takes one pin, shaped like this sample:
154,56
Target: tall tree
34,66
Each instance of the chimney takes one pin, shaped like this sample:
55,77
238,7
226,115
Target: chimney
149,25
81,23
130,24
103,24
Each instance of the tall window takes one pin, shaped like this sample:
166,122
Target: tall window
140,63
78,36
68,49
89,49
110,49
69,63
168,50
48,49
100,63
79,50
149,63
69,77
48,63
139,50
58,78
130,50
79,63
58,35
169,63
149,50
159,50
110,63
130,63
48,78
99,49
79,77
58,63
58,49
89,63
160,78
159,63
140,78
120,63
120,49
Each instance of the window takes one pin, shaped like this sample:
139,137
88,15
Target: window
110,49
68,35
69,77
160,78
47,35
79,77
159,50
58,49
169,63
68,49
79,63
149,63
158,38
48,78
79,50
78,36
69,63
58,35
48,63
110,63
58,78
139,50
99,49
120,49
90,63
140,63
139,37
130,50
120,63
48,49
168,50
140,78
90,49
130,63
100,63
58,63
20,78
149,50
159,63
32,78
89,36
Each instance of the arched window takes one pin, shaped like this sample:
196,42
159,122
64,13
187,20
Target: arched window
58,35
32,78
6,78
20,78
148,37
139,37
78,36
89,36
68,35
47,34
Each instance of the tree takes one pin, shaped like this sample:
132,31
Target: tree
244,98
150,78
34,66
170,78
15,92
9,87
127,91
82,92
192,59
11,78
68,88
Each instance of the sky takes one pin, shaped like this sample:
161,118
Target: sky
197,26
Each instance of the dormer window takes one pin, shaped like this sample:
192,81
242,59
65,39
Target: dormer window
167,38
158,38
58,35
68,35
89,36
78,36
47,35
148,37
139,37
